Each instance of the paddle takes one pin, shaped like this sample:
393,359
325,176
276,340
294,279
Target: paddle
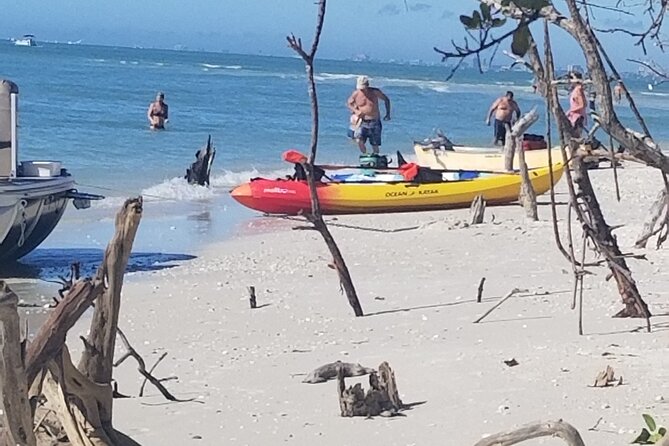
341,167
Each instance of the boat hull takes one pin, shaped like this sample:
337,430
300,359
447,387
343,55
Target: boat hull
291,197
470,158
29,211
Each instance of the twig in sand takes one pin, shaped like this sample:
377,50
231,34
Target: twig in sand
479,295
504,299
252,297
131,352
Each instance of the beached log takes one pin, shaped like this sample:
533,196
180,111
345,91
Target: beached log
659,208
200,170
477,210
17,416
559,429
382,398
315,216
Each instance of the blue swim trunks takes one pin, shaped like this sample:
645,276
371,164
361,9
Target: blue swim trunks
370,130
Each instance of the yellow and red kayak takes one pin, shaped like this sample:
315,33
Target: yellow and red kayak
291,197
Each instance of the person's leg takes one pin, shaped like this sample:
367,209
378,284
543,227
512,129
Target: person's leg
500,132
375,136
361,137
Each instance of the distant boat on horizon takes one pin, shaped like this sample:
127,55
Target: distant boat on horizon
26,40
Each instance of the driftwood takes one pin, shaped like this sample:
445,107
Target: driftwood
382,398
200,170
559,429
477,210
513,143
660,207
329,371
498,304
252,297
315,216
479,293
17,417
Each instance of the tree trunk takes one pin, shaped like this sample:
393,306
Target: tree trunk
98,356
600,232
17,416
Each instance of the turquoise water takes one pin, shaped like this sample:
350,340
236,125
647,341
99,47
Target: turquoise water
86,106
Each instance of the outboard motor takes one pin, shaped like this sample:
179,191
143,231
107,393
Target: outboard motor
9,92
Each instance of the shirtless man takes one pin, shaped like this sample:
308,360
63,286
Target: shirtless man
158,112
364,104
504,109
618,92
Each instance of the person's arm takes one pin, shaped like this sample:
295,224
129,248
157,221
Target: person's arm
386,102
148,112
579,101
493,107
351,104
517,109
166,111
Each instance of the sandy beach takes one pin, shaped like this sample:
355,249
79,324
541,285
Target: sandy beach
417,277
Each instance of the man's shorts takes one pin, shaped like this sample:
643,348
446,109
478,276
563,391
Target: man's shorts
370,130
500,131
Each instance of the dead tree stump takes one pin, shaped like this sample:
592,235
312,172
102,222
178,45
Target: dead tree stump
477,210
513,143
17,416
382,398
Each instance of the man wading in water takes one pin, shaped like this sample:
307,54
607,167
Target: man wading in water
504,108
364,104
158,112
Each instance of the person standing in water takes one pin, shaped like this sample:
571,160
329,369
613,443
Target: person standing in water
158,112
364,105
504,108
618,91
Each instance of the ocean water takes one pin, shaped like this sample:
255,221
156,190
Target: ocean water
86,106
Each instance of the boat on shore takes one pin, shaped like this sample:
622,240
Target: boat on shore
385,192
33,194
443,155
26,40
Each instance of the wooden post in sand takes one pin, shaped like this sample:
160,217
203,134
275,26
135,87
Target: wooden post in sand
252,297
477,210
17,417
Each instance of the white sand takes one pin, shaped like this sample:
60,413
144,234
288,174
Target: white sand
418,289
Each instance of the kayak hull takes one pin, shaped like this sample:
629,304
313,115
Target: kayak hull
470,158
290,197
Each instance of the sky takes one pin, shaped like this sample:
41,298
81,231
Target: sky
381,29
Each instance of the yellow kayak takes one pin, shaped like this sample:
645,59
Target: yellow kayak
286,196
474,158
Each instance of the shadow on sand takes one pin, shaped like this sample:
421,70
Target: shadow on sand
52,263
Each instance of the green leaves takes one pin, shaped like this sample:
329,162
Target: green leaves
651,435
521,41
